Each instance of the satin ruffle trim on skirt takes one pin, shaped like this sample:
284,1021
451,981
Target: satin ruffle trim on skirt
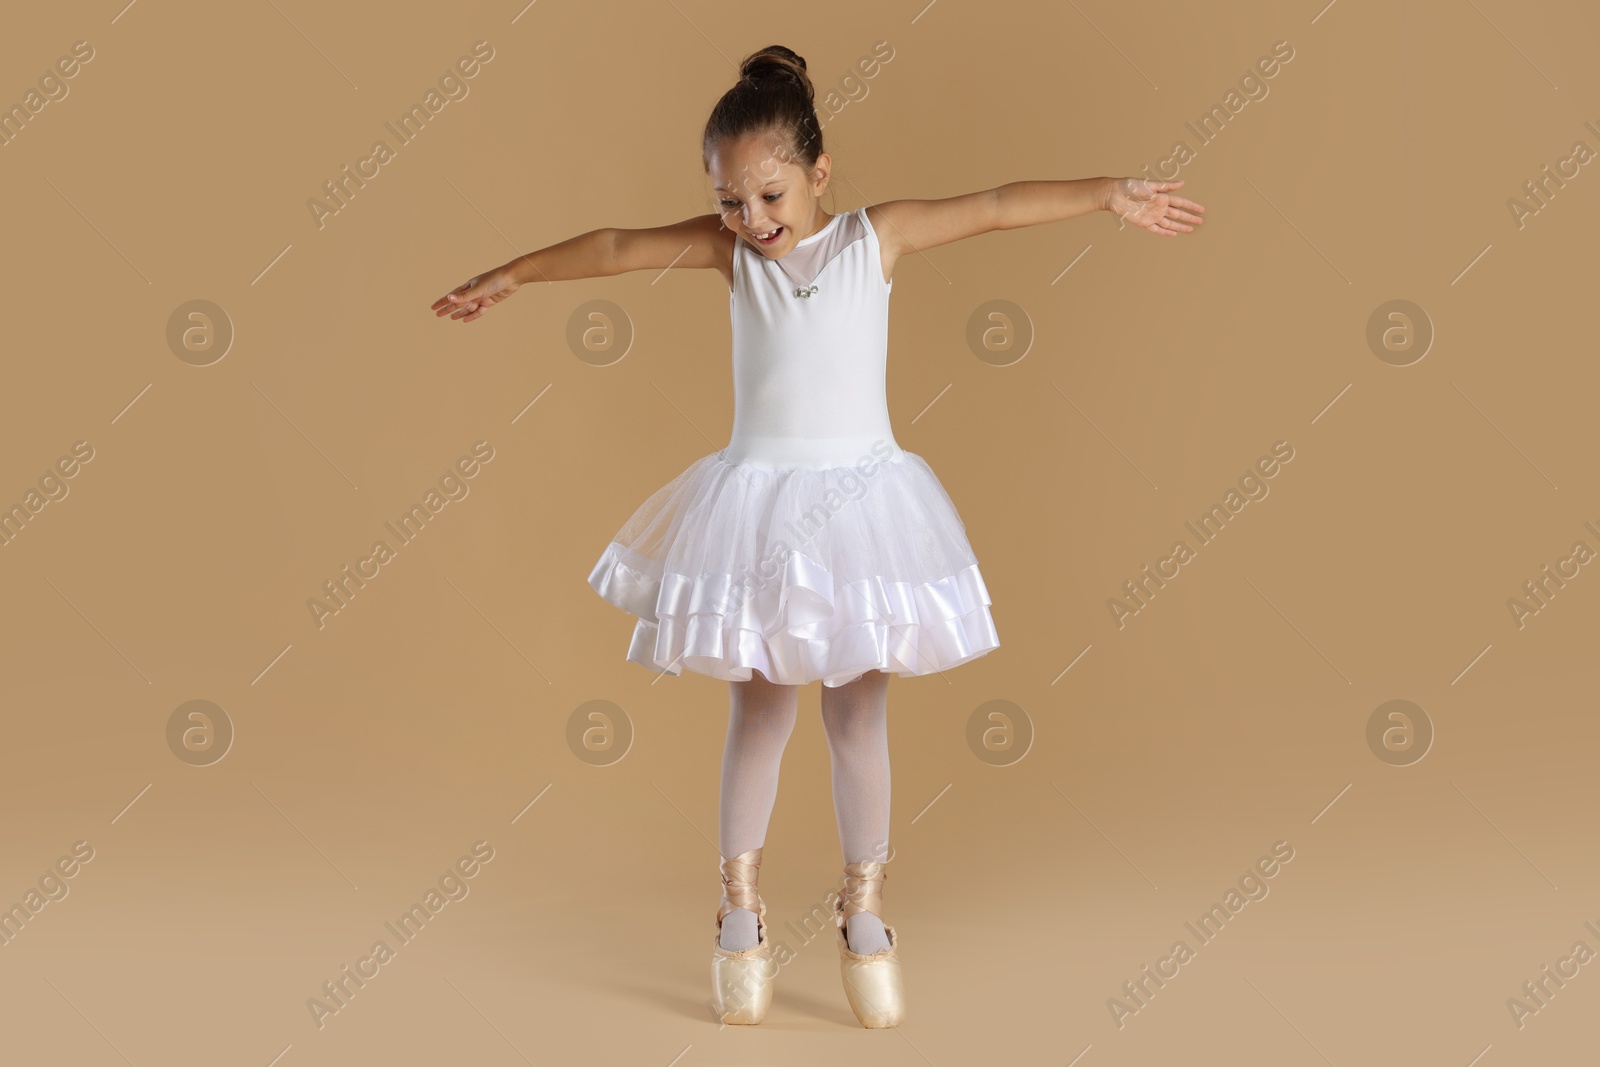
821,629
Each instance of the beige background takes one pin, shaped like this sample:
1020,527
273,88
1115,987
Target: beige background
434,711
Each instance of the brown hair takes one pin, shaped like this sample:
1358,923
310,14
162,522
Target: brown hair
773,94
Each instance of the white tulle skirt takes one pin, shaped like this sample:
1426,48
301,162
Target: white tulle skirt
802,573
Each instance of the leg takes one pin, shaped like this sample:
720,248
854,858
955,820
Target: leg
855,717
761,716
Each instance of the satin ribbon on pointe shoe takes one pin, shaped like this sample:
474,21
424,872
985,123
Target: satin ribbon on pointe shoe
739,876
871,982
863,888
741,980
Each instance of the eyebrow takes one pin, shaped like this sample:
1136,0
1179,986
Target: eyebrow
774,181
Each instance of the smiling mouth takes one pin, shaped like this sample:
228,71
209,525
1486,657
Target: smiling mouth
771,238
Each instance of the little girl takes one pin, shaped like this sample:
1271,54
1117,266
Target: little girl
813,547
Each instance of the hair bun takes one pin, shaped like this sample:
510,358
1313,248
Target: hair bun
776,61
773,94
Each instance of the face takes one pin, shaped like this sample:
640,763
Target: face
760,187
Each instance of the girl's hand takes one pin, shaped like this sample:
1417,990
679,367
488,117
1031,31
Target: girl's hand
474,296
1145,203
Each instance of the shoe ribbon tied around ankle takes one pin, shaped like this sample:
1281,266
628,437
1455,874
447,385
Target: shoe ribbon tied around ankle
863,889
739,883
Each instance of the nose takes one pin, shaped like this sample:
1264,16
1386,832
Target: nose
750,222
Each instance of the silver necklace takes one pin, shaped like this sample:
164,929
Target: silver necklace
799,290
803,290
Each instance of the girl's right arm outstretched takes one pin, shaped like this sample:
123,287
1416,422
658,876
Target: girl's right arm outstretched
595,254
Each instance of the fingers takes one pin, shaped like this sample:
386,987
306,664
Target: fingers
452,304
456,299
1166,225
461,294
476,306
469,311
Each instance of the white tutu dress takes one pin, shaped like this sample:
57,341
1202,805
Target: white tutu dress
812,546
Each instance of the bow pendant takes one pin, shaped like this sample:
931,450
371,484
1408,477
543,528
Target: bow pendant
803,291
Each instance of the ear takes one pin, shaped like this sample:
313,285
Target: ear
820,172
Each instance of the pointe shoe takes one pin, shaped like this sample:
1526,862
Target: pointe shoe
741,981
871,983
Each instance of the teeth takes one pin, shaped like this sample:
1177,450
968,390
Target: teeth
769,233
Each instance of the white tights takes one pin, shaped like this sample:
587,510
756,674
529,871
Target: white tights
761,717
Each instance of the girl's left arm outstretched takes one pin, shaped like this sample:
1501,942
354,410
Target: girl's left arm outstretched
917,225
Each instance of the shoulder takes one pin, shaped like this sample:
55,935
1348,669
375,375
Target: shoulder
891,221
708,231
880,218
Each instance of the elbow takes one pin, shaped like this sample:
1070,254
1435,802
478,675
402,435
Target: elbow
998,220
607,251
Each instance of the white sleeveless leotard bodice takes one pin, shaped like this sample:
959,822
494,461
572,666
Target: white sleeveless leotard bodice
810,372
